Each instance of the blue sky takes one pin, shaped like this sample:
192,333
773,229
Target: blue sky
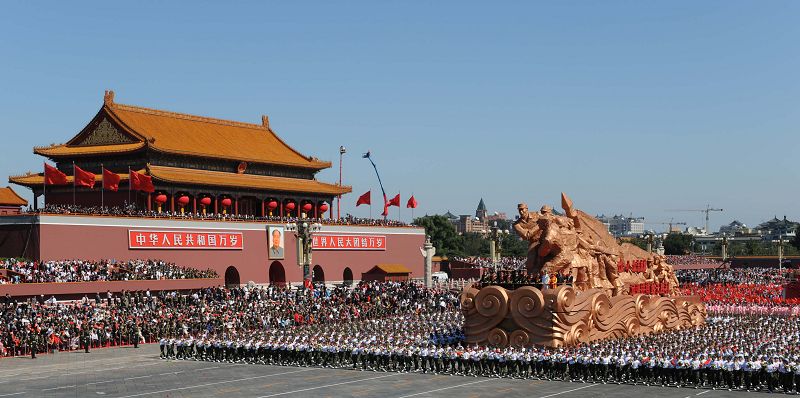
629,107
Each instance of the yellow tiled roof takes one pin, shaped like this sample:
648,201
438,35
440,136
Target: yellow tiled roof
218,178
393,268
64,150
10,198
184,134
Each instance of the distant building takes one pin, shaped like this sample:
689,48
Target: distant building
776,228
467,223
501,216
696,231
620,226
734,228
481,213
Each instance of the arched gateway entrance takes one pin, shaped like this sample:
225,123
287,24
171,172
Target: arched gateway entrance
277,274
232,277
318,275
347,276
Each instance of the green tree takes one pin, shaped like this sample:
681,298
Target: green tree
678,243
641,242
753,248
443,234
736,249
513,246
474,244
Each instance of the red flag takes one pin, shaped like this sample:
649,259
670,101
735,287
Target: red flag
83,178
412,203
385,206
364,199
52,176
110,180
395,201
141,182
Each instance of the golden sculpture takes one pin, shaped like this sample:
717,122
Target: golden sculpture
579,245
618,290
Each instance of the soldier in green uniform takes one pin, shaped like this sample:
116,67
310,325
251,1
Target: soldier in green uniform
33,343
85,339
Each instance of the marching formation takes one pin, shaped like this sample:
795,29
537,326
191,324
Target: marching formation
733,353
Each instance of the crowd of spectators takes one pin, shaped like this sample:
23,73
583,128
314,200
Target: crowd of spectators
692,261
110,320
23,271
734,276
131,210
740,290
506,263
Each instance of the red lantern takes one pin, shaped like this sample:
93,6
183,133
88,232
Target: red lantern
161,198
183,200
205,201
307,207
226,202
323,207
290,206
272,204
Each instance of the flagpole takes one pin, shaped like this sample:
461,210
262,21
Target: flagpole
102,188
398,206
129,185
44,189
73,183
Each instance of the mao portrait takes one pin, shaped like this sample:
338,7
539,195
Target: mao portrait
275,243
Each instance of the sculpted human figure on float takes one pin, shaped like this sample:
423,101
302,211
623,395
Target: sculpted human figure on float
579,245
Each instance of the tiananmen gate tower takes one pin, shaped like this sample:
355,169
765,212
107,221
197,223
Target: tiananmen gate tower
241,168
217,192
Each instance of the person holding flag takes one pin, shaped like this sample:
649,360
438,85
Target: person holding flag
385,200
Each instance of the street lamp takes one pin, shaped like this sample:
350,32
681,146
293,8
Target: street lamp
649,238
724,247
342,151
496,236
304,232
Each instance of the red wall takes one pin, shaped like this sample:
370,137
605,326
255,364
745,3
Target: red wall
71,237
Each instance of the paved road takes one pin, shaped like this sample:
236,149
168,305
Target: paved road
129,373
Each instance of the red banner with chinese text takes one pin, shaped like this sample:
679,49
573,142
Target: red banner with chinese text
632,266
650,288
142,239
348,242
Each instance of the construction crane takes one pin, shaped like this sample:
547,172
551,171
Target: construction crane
707,210
670,223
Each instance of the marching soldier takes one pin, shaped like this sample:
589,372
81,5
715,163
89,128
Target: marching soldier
85,337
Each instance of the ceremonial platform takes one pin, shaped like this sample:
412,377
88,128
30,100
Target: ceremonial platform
565,316
616,290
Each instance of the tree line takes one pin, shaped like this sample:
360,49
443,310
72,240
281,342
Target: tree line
450,243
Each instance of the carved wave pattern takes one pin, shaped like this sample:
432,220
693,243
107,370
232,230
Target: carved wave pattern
566,317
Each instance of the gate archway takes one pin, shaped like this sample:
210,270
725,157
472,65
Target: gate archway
277,274
232,277
347,276
318,275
